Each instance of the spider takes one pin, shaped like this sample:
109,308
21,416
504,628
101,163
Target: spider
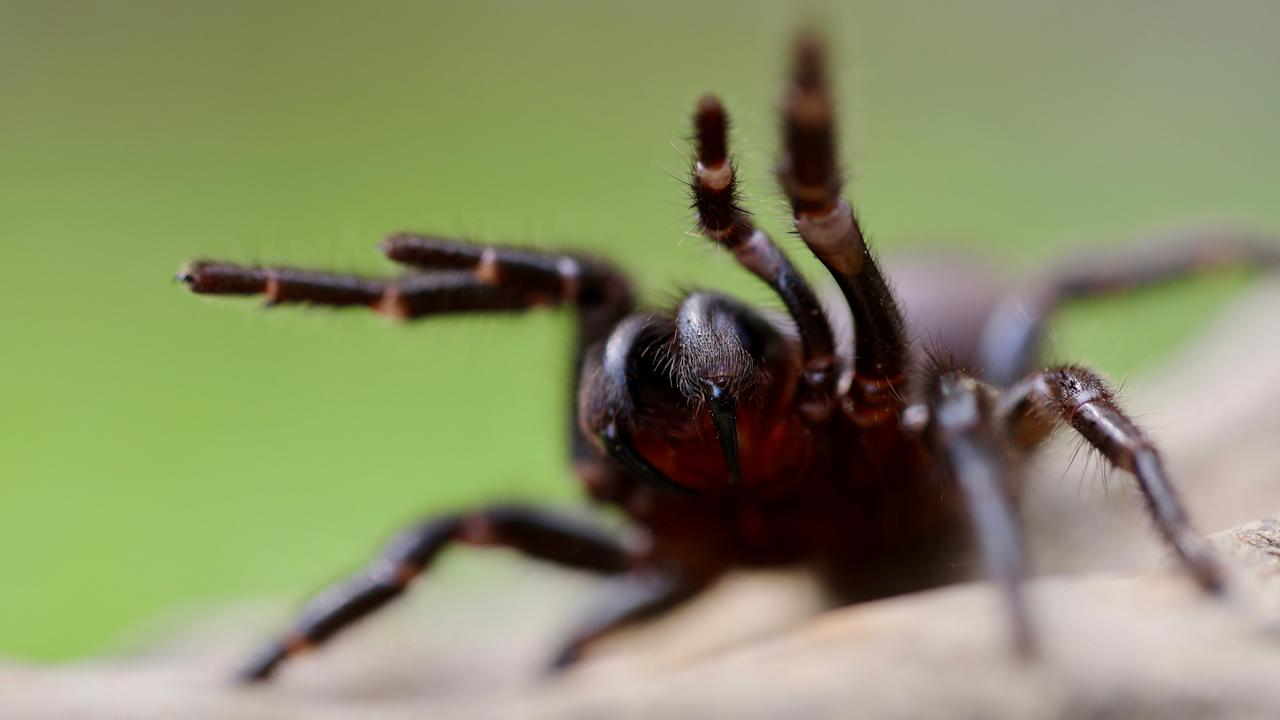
731,439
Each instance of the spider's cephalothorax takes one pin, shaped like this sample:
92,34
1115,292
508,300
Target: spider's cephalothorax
733,439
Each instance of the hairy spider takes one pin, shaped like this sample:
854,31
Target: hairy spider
734,440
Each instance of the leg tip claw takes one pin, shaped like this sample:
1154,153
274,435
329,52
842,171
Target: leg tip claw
262,667
569,656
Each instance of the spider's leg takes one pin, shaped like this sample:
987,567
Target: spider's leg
966,438
1030,409
725,222
1010,342
464,277
808,173
406,297
601,293
536,533
634,597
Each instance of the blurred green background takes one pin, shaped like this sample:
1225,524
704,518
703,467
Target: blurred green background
160,451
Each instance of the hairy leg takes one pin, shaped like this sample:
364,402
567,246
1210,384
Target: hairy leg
458,277
1010,342
826,222
1030,409
533,532
601,294
725,222
407,297
964,434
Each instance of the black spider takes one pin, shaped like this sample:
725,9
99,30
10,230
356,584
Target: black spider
732,440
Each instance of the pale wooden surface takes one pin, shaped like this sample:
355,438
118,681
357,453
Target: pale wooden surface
1119,639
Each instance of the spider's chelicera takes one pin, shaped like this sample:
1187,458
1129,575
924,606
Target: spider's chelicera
735,440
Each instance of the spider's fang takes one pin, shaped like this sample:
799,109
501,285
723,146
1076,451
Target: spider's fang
264,665
723,407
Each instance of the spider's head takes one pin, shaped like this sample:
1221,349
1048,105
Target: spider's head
703,389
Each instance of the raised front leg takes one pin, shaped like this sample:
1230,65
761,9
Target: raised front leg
456,277
1010,344
725,222
461,277
809,174
536,533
